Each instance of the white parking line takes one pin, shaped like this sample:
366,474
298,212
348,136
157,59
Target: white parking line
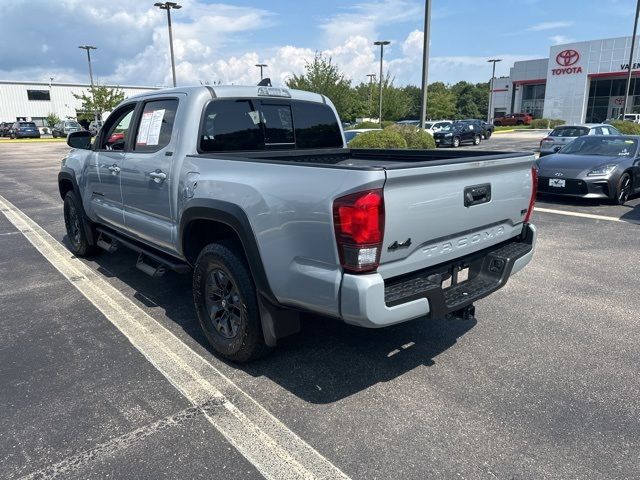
274,450
586,215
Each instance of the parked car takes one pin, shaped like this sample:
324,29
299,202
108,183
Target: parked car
593,166
433,127
351,134
485,128
24,130
4,128
457,133
261,200
630,117
95,126
64,128
414,123
513,119
563,134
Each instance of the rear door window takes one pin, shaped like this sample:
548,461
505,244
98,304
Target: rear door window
231,125
156,125
278,125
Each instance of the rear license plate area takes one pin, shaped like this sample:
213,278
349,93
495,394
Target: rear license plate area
557,182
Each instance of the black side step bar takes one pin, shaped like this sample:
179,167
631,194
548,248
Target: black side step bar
164,261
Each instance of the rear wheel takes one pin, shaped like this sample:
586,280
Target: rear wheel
75,224
226,303
456,142
476,140
487,134
624,189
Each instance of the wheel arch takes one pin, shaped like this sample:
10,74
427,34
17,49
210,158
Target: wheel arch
205,221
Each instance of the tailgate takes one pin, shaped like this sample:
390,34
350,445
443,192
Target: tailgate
438,213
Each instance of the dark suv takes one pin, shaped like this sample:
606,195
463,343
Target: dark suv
485,128
458,133
24,130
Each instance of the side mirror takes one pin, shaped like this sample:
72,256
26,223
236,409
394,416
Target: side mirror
557,148
81,139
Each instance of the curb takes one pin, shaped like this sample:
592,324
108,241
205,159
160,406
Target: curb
32,140
496,132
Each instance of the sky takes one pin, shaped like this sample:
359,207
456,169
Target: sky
221,42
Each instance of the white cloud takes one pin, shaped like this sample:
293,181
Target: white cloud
560,39
538,27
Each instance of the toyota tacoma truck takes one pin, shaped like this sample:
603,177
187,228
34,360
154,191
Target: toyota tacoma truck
253,192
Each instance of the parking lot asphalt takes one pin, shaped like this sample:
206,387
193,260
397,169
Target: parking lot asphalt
541,384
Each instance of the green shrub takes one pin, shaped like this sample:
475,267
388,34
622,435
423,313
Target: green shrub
626,127
546,122
378,139
387,123
415,137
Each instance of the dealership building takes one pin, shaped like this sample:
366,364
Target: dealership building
34,101
579,82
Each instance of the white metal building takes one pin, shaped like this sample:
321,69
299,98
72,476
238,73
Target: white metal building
579,82
33,101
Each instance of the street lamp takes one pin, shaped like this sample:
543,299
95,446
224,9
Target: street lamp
382,43
633,43
168,6
261,66
493,75
88,48
372,77
425,62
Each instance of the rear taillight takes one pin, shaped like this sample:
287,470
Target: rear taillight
534,191
359,226
545,139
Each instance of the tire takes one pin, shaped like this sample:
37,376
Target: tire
54,134
455,143
497,124
226,303
75,223
624,189
487,135
477,140
519,122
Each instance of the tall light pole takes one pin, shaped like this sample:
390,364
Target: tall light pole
261,66
425,61
382,43
168,6
88,48
372,77
633,43
493,75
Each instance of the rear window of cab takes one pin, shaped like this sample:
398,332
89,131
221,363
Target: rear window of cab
569,132
247,124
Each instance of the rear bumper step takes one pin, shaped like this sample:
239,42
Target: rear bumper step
488,270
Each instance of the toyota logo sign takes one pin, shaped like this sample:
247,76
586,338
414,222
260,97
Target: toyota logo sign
566,58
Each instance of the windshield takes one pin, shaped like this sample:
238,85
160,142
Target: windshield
569,132
71,124
428,125
605,146
451,126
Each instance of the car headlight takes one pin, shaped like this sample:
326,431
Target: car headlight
448,134
602,170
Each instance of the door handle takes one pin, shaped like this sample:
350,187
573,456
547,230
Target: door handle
158,176
114,169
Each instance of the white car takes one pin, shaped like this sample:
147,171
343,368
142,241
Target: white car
433,127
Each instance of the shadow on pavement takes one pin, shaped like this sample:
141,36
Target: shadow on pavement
327,361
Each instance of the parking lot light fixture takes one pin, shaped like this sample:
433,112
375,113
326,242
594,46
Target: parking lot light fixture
261,66
372,77
88,48
382,44
493,76
168,6
425,62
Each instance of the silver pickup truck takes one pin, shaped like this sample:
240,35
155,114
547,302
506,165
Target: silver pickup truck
253,190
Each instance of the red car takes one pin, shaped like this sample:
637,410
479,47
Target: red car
115,137
513,119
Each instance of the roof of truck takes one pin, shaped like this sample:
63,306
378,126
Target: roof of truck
234,91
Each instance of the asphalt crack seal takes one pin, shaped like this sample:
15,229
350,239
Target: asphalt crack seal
274,450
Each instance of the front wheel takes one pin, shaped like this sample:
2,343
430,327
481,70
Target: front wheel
624,189
74,223
476,140
226,303
456,142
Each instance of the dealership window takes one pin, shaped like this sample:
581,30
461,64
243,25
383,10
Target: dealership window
38,95
39,121
533,99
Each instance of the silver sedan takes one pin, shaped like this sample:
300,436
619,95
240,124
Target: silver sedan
598,166
564,134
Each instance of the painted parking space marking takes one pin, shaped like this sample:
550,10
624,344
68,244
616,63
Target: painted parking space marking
586,215
274,450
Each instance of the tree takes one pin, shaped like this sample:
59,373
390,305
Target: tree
52,119
100,99
441,103
322,76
